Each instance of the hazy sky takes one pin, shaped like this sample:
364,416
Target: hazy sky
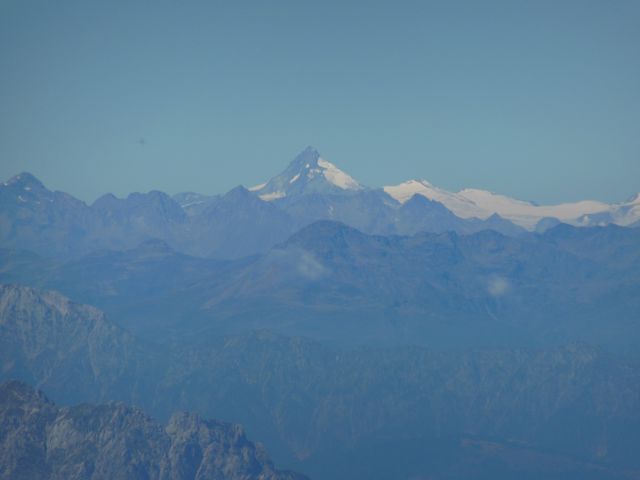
535,99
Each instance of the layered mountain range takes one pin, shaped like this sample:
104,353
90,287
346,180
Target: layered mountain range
568,412
332,282
384,333
248,221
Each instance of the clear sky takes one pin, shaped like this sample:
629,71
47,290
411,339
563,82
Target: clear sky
535,99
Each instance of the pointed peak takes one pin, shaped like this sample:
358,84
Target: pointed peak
239,191
418,199
309,151
26,180
105,201
308,172
306,158
24,177
404,191
419,202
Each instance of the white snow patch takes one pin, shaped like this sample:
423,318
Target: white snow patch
477,203
190,204
21,198
267,197
28,189
528,214
255,188
337,177
458,204
295,177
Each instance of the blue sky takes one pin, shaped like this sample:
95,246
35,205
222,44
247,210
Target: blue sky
535,99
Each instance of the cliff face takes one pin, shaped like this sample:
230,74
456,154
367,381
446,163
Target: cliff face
114,441
70,350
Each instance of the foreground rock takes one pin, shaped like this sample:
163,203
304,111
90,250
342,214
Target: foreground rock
40,440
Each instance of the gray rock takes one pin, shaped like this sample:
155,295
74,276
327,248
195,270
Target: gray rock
114,441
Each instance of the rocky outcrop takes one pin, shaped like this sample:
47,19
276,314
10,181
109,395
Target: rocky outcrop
39,440
70,350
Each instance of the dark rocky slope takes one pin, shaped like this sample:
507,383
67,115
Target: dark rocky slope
39,440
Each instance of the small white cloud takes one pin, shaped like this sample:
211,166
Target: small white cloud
296,263
498,286
309,267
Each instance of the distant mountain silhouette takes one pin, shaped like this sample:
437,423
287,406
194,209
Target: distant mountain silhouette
330,281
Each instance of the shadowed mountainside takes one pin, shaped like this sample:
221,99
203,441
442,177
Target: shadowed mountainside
332,282
41,441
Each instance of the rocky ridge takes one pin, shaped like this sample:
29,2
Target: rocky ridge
115,441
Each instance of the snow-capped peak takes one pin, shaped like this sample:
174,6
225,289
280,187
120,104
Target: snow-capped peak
26,181
472,202
404,191
336,176
457,203
307,173
310,173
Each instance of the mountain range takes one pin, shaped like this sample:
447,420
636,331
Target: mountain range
309,173
565,412
248,221
383,333
334,283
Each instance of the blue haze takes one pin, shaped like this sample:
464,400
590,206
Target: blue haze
538,100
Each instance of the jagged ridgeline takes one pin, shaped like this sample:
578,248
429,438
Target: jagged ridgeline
39,440
246,221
